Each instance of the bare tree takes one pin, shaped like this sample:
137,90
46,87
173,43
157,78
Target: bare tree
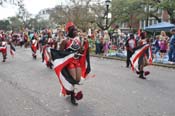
23,14
100,13
78,12
13,2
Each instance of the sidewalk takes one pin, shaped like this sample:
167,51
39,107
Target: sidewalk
124,59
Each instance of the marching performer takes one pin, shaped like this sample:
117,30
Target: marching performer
130,45
26,40
34,45
71,62
3,46
142,56
46,55
3,50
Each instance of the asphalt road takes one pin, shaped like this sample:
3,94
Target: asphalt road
28,88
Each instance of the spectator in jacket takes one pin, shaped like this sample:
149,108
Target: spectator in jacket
171,53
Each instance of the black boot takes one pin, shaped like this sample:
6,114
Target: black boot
42,57
51,65
73,101
3,60
141,75
34,56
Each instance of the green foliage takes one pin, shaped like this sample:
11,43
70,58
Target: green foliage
168,5
4,25
15,24
85,15
122,10
142,9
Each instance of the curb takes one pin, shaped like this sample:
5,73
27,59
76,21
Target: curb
124,59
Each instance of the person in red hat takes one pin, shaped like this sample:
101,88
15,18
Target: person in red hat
72,43
73,64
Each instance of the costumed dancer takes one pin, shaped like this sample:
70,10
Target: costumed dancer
26,40
3,47
43,44
46,55
12,47
34,45
130,45
71,62
142,56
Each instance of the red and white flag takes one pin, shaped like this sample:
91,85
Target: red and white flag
60,60
34,46
85,61
145,51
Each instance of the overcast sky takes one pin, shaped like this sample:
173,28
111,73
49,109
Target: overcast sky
33,6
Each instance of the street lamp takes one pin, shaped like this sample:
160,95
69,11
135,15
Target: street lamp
107,2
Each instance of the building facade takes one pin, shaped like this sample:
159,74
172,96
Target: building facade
44,14
134,23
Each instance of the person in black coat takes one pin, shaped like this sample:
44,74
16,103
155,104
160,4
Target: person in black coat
130,45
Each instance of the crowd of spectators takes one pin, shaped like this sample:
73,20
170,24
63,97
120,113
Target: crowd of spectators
107,43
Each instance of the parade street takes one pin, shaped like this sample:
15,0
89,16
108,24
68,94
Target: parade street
29,88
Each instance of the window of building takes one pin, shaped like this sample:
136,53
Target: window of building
155,21
150,22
